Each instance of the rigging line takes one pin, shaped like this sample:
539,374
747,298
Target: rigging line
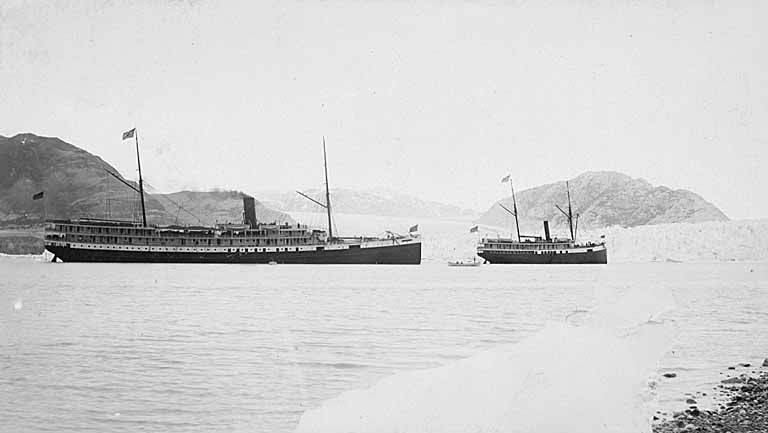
311,199
121,200
122,180
182,208
174,203
507,209
561,210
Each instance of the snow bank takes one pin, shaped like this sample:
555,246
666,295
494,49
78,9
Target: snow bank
745,240
586,374
43,257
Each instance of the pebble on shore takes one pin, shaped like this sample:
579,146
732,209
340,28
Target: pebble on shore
744,411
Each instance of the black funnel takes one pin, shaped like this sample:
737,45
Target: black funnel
249,211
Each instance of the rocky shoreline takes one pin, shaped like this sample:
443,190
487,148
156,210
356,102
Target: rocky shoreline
743,408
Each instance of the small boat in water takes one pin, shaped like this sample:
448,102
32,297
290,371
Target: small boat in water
463,263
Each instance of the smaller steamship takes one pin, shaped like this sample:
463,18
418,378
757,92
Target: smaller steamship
102,240
537,250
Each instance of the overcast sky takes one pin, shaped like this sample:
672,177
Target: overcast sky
439,99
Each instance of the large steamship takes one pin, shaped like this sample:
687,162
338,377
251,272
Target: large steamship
103,240
527,249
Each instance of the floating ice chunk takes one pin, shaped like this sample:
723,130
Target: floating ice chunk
566,378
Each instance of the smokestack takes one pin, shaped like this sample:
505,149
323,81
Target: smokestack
546,230
249,210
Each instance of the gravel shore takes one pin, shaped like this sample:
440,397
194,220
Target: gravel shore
744,408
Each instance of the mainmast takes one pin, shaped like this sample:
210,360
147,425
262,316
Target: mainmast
514,208
570,212
327,194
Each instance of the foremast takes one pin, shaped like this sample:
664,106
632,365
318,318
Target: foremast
514,205
133,133
141,181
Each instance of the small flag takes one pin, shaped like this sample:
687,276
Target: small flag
129,134
38,196
413,229
473,229
505,179
602,236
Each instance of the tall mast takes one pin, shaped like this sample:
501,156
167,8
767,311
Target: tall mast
141,181
327,194
570,213
514,208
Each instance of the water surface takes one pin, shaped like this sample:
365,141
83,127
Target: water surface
124,347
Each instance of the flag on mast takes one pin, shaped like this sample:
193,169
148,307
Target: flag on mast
38,196
505,179
413,229
473,229
129,134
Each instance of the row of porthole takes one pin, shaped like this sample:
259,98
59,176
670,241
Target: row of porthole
230,250
522,252
256,250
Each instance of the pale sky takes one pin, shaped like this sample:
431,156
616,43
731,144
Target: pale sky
438,99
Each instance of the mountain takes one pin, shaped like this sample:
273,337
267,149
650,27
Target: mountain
371,202
74,181
604,199
76,185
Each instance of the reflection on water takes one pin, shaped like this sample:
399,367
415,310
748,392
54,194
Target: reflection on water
109,347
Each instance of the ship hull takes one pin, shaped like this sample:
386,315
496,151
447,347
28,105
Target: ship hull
405,254
576,258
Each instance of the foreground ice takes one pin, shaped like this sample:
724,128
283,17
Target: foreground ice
588,373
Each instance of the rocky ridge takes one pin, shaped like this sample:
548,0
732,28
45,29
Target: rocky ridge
604,199
76,184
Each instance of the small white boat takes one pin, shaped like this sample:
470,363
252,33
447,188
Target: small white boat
473,262
272,262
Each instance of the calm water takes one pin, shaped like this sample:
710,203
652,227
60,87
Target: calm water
105,347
